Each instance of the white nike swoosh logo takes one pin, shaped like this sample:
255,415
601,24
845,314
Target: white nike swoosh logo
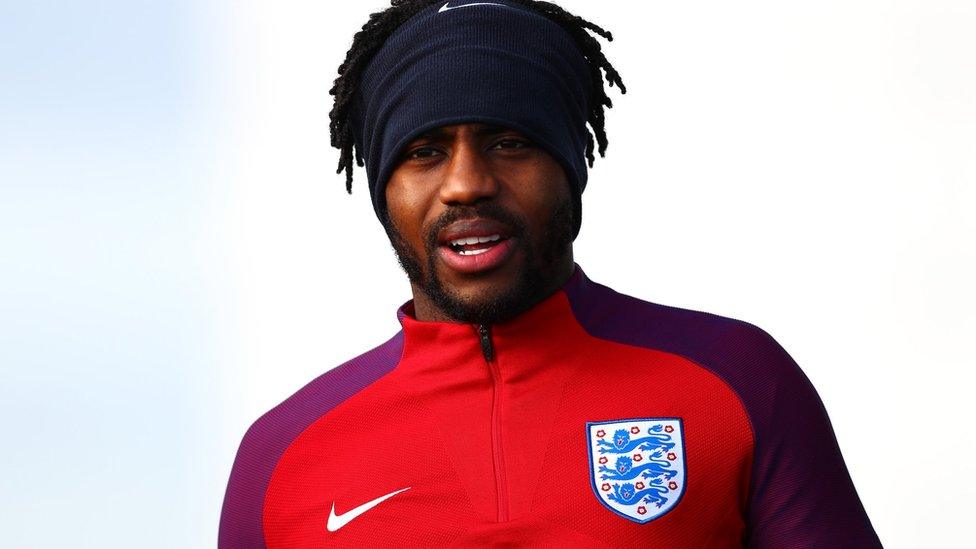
338,521
445,8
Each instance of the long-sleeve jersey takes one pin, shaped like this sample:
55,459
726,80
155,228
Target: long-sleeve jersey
592,419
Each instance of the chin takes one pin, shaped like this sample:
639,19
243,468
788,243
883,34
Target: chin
485,306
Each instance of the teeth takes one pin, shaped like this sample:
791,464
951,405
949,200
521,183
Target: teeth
473,252
475,240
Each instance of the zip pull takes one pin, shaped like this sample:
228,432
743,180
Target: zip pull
487,348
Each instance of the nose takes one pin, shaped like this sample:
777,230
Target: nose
468,177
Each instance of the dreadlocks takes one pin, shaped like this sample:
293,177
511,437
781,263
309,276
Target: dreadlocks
374,33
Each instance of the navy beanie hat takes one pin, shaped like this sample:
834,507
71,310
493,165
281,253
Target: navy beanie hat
465,62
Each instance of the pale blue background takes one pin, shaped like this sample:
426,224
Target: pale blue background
108,428
177,254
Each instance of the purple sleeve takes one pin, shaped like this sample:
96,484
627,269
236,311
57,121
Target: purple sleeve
802,494
241,519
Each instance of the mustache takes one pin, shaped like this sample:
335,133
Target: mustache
485,210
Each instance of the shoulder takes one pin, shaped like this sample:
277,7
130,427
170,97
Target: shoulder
799,487
270,435
742,355
288,419
731,347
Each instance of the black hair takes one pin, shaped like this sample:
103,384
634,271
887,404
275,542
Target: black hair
381,24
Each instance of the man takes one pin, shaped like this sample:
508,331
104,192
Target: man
523,404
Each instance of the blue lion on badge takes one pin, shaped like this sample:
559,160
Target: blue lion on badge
624,469
627,494
622,443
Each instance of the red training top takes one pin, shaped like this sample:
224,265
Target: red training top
593,419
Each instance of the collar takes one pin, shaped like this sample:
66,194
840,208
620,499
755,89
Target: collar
546,329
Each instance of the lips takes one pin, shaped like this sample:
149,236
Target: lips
473,246
466,228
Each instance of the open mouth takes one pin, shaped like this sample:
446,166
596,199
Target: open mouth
475,245
476,254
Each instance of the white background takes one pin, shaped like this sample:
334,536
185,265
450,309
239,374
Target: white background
178,255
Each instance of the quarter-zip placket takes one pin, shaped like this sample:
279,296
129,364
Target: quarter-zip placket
498,457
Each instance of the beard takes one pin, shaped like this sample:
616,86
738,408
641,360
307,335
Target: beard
535,274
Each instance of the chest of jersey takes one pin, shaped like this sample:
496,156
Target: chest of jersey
569,441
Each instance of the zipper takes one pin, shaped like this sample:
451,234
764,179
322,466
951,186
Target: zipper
498,457
487,348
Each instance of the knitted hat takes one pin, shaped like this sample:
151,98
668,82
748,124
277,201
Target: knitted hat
465,62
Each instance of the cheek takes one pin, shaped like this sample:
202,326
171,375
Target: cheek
548,192
407,209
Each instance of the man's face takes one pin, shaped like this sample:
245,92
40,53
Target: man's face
475,180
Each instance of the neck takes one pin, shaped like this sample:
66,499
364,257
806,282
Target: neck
426,309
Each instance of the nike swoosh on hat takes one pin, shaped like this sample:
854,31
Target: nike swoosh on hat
445,7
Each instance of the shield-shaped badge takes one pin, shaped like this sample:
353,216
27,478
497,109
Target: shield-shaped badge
637,466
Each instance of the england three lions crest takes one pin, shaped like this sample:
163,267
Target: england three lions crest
637,466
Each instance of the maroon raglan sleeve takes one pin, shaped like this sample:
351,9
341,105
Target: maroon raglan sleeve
801,492
241,518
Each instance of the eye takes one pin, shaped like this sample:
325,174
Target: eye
421,152
512,143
